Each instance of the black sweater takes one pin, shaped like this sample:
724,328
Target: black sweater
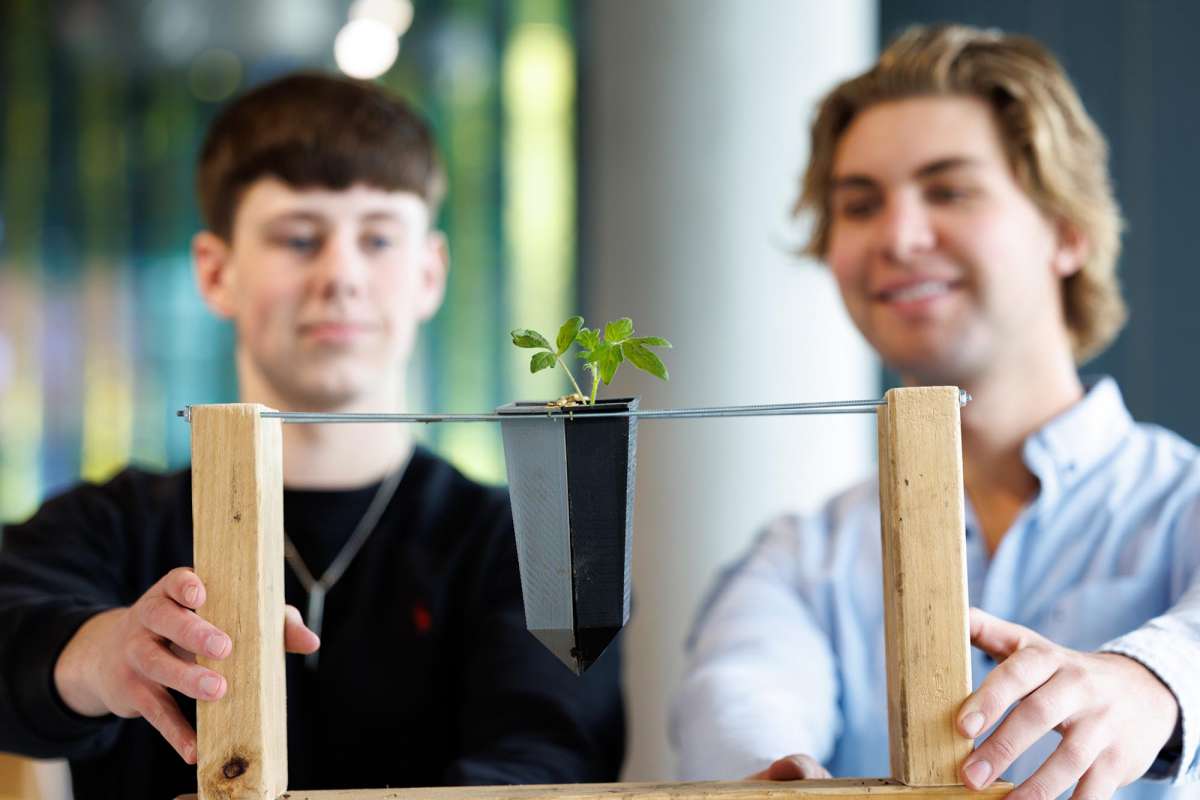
426,673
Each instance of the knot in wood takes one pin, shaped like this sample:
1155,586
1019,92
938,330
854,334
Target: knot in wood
235,767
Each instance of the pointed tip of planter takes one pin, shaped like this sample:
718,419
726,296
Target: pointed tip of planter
560,642
592,643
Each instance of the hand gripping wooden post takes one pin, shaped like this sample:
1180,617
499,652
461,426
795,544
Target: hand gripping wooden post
238,502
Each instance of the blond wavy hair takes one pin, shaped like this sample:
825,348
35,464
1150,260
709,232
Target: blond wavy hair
1056,152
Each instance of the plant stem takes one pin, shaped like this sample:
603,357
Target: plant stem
569,375
595,386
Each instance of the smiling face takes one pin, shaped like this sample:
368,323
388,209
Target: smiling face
326,289
945,265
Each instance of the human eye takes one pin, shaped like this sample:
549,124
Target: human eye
296,242
304,245
948,194
856,207
377,242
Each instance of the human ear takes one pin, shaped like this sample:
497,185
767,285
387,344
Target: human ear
431,278
214,275
1071,250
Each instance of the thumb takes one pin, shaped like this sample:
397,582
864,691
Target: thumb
792,768
997,637
297,638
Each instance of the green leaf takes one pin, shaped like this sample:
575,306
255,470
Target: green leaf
589,338
643,359
650,341
568,332
596,354
609,359
618,331
541,361
524,337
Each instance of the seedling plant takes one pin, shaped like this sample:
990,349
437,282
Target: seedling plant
601,353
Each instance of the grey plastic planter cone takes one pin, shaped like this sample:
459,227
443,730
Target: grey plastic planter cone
572,479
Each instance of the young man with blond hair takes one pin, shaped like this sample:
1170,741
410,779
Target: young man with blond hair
319,197
962,202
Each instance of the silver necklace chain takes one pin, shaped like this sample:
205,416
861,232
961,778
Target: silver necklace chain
317,588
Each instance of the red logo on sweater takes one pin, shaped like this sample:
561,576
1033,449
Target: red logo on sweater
422,619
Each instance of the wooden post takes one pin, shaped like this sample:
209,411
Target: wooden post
924,583
237,511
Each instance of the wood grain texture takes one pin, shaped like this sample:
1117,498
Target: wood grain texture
924,583
237,509
841,789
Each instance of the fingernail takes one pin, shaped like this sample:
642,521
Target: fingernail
978,772
215,645
210,685
190,594
972,723
189,753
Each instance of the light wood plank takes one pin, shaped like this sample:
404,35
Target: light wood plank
237,508
841,789
925,585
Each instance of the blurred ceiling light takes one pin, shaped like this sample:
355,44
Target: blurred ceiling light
396,14
214,75
365,48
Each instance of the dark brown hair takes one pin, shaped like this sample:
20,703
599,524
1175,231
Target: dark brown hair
314,130
1056,152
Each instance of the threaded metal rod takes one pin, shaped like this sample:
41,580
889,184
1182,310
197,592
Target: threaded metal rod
553,412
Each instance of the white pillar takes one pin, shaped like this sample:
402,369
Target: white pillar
694,136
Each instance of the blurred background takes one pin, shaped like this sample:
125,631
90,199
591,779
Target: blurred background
606,157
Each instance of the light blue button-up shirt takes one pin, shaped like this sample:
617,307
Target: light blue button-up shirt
788,656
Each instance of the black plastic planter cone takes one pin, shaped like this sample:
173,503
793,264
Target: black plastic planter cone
571,479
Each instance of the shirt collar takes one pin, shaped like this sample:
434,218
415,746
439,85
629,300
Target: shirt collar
1077,439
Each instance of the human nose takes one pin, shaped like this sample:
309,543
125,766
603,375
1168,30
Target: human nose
341,268
904,228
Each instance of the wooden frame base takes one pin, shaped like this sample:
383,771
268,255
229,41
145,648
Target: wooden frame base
237,468
837,789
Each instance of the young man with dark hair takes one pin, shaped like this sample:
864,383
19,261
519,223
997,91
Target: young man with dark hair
319,195
962,202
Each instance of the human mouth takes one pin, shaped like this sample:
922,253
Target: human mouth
334,332
919,300
916,292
